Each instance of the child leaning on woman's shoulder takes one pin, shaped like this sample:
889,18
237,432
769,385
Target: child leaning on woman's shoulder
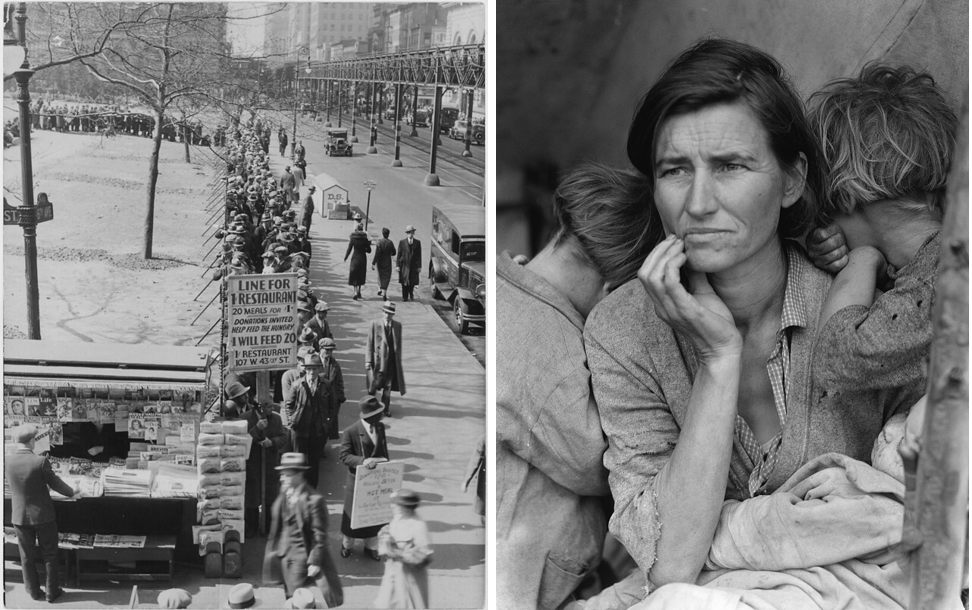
887,138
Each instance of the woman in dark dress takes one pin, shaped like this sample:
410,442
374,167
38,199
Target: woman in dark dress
360,246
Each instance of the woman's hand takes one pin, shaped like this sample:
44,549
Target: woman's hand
697,313
827,248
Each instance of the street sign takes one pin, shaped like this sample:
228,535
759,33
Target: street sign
262,321
45,211
370,184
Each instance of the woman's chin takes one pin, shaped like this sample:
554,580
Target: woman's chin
705,261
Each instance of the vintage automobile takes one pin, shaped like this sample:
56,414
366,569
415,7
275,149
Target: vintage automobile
457,264
448,116
458,131
337,142
421,118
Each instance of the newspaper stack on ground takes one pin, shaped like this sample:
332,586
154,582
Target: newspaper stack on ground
175,481
127,483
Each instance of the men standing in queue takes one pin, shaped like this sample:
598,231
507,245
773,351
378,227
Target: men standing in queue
32,511
383,357
270,439
288,182
409,263
334,379
318,323
306,412
297,542
363,445
307,213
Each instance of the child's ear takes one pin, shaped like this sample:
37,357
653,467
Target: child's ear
795,180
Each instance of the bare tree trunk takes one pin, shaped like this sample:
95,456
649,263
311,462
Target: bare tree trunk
152,182
188,135
943,466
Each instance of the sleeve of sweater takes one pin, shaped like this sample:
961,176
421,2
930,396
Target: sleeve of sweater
879,347
641,434
53,481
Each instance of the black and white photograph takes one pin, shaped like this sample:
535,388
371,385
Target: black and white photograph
250,238
731,304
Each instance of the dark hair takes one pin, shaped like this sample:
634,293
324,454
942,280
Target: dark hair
887,134
608,212
719,71
385,232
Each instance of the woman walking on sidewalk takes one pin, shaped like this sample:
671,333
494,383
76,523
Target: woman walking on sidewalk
359,245
404,543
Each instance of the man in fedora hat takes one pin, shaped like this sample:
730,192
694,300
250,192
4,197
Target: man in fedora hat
307,414
270,439
297,543
301,243
363,445
334,379
409,262
307,214
383,357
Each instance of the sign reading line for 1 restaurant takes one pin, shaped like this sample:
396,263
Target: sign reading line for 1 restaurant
261,317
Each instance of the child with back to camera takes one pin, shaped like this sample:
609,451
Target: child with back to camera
887,137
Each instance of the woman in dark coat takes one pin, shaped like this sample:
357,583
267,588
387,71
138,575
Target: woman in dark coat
360,246
382,261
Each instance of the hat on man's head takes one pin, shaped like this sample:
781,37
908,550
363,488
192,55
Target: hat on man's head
304,350
302,229
313,359
235,389
281,249
278,220
24,433
174,598
405,497
409,229
312,188
268,254
370,406
389,308
241,595
322,306
356,216
306,334
326,343
292,461
303,598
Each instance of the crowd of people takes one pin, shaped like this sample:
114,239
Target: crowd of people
724,383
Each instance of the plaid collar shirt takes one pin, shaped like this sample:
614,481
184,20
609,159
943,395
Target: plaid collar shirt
764,457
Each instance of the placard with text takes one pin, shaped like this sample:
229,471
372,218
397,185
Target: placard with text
262,321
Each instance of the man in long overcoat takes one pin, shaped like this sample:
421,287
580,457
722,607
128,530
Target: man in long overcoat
288,182
307,415
409,263
363,445
270,440
32,511
297,543
307,212
383,357
334,379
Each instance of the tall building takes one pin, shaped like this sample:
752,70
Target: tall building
406,27
315,26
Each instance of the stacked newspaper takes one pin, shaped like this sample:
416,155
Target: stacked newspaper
174,481
127,483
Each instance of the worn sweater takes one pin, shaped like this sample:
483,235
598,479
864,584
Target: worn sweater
887,344
642,374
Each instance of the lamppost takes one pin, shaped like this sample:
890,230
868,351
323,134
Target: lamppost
301,52
16,47
370,185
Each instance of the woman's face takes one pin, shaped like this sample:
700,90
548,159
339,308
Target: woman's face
719,187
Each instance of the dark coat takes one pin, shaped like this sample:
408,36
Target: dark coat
384,252
30,476
310,514
409,262
307,411
278,435
335,396
320,327
356,445
307,213
361,246
376,353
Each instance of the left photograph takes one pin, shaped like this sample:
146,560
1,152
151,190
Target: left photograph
244,305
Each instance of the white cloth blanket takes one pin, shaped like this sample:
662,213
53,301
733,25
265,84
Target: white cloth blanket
826,540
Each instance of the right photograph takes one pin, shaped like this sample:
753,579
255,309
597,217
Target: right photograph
731,309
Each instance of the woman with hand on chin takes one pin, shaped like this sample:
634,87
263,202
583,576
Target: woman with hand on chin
701,368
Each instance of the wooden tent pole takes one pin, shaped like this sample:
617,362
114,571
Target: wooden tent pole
943,466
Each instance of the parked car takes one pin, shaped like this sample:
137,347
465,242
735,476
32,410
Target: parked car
337,142
448,116
390,113
458,131
421,118
457,265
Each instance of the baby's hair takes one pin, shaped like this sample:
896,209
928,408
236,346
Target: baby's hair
887,134
610,215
